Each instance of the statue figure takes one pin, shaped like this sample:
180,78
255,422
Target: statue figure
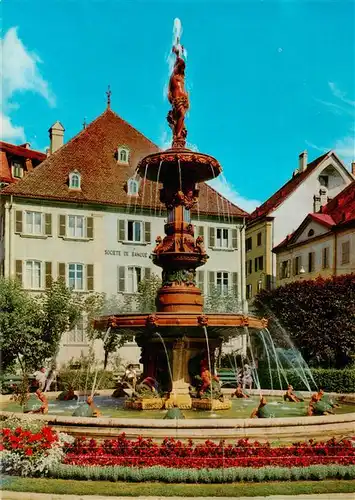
179,99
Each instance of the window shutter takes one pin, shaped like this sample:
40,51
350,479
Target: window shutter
201,280
18,264
200,231
90,228
211,281
234,238
147,273
18,221
90,277
48,224
288,268
62,225
147,237
121,279
48,275
235,283
212,238
294,266
121,230
61,271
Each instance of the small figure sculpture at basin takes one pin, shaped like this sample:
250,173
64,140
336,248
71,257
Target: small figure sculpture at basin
239,393
179,99
262,411
291,396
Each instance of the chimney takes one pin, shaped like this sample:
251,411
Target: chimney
316,204
302,161
56,136
353,168
323,195
26,145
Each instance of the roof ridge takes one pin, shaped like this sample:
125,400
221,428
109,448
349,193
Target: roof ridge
21,146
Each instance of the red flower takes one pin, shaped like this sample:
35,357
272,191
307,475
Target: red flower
29,452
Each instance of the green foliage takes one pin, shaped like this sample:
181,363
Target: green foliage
217,303
319,316
81,379
229,475
147,292
331,379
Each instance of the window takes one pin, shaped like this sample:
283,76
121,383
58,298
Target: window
77,334
323,180
33,274
17,170
285,269
325,258
134,231
345,252
122,155
249,291
259,263
250,266
76,276
258,238
248,244
222,282
297,264
132,187
33,223
222,239
76,226
134,277
310,262
310,233
75,180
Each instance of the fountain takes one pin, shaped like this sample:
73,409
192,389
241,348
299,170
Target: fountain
179,327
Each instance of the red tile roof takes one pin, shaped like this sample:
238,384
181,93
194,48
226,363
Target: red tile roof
334,215
92,154
14,150
277,198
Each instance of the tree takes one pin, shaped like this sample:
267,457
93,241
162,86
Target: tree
216,302
319,316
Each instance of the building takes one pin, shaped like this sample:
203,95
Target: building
324,243
17,161
312,185
84,215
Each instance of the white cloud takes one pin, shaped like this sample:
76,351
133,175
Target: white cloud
19,72
340,95
227,190
345,148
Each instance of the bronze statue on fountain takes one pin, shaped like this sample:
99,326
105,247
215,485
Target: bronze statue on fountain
179,327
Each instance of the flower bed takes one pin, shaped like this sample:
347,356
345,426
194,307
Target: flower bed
172,453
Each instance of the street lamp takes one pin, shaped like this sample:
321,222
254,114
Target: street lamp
302,272
260,281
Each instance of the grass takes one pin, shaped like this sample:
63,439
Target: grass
70,487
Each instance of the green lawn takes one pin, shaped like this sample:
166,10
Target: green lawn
62,486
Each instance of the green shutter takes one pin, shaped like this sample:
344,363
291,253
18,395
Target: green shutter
48,274
201,280
235,283
48,224
62,225
147,237
200,231
211,281
234,238
90,228
18,221
90,277
61,271
18,265
121,279
121,230
212,238
147,273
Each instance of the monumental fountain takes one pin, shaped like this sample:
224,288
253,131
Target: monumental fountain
179,339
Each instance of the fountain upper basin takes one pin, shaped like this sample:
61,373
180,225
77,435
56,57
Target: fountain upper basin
171,165
219,325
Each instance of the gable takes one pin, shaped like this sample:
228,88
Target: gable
312,229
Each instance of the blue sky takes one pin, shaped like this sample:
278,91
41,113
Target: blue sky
267,79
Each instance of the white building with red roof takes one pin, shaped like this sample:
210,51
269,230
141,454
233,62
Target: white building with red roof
324,243
17,161
311,186
83,215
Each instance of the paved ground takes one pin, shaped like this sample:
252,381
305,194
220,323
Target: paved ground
12,495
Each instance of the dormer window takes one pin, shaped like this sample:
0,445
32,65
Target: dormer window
17,170
132,187
74,180
323,180
123,155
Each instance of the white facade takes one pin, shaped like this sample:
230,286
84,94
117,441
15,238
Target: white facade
105,250
291,212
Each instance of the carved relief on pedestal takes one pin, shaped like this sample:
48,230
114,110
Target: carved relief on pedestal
179,277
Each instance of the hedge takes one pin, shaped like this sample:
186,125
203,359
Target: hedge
331,379
230,475
79,379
